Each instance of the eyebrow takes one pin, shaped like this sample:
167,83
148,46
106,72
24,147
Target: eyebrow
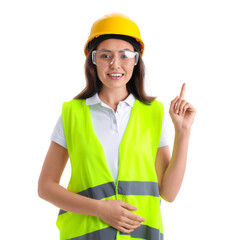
104,50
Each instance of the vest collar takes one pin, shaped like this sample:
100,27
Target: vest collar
96,100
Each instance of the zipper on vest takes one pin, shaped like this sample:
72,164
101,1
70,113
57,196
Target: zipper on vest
116,190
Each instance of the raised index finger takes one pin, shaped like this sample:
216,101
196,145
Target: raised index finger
182,93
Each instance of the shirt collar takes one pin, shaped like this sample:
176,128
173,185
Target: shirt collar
96,100
93,100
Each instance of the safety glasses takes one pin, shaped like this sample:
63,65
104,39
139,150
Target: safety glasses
125,58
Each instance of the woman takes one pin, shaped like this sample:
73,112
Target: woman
114,135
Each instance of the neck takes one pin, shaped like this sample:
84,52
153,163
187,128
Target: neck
112,97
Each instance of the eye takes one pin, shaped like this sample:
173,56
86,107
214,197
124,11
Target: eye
105,56
124,56
128,55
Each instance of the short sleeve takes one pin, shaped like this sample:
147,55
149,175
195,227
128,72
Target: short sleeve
58,133
164,139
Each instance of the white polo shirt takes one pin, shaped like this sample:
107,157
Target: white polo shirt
109,127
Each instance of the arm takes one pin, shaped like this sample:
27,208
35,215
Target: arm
170,170
116,213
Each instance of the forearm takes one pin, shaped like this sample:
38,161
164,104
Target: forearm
173,176
67,200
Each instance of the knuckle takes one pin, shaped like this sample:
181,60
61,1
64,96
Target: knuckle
121,211
133,222
124,214
121,217
119,223
136,218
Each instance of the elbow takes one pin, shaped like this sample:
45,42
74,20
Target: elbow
42,189
167,196
46,188
169,199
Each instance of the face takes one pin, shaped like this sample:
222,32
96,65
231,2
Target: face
114,75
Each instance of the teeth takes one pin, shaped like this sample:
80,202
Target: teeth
115,75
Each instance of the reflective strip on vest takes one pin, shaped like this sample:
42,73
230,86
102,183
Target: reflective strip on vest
98,192
105,234
124,187
138,188
146,232
143,232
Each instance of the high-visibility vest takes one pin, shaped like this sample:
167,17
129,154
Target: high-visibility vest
137,182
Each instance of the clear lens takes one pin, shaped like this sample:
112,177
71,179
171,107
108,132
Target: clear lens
125,58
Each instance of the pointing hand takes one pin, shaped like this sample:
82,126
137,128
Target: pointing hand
182,112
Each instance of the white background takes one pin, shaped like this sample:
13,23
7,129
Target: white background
41,66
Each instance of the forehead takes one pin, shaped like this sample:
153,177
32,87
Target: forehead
115,45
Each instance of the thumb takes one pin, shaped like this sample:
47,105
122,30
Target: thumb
128,206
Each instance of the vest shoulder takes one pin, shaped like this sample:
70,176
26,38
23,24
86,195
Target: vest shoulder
155,104
73,103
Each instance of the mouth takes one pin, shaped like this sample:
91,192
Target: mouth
115,76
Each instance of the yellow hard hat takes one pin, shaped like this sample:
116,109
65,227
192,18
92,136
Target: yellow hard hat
117,24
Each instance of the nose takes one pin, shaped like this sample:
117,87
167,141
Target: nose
114,63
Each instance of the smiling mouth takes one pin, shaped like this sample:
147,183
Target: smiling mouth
115,76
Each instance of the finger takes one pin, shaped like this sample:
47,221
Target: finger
185,108
132,222
189,108
128,206
135,217
131,215
181,105
182,93
124,230
130,226
173,104
177,105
